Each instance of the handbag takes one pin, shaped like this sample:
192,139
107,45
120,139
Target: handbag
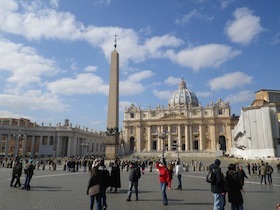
93,190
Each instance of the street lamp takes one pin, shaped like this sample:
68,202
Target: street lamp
18,138
162,136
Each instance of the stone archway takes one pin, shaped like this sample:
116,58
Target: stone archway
222,143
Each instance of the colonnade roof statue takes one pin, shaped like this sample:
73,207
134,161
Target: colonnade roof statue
183,97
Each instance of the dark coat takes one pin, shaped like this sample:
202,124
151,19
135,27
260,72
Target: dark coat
17,170
218,186
104,177
135,173
115,177
29,169
94,180
234,188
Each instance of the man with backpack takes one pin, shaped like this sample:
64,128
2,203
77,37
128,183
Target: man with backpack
134,176
218,185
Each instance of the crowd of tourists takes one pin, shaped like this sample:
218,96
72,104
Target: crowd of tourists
108,179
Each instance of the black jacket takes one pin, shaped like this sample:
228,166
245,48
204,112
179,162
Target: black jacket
218,186
234,186
104,177
135,173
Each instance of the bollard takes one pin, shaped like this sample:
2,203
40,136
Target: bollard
150,168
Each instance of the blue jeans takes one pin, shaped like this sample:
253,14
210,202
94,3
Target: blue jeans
163,191
103,199
219,201
27,182
98,203
236,207
131,184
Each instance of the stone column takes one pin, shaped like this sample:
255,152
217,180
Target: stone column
169,138
191,136
139,138
187,140
179,138
7,145
149,146
69,149
32,152
201,137
213,137
58,146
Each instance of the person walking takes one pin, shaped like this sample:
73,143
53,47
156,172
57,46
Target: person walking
93,188
171,172
29,171
178,173
115,176
269,171
163,179
16,174
104,183
234,188
218,187
262,172
134,176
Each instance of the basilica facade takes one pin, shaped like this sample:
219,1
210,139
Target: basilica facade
184,125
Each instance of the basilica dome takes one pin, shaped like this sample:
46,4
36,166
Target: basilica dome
183,97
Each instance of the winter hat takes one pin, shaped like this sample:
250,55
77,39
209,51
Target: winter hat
217,162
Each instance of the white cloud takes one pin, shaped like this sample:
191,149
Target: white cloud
244,28
132,85
166,94
194,14
24,64
84,83
210,55
242,96
203,94
230,81
9,114
34,100
226,3
91,68
172,81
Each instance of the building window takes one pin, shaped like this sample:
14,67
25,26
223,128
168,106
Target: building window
131,115
45,140
221,128
154,114
173,128
92,149
220,112
144,115
195,128
154,129
131,130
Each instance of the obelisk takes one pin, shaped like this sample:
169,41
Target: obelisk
112,143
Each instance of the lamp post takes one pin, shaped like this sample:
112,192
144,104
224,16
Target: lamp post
162,136
18,138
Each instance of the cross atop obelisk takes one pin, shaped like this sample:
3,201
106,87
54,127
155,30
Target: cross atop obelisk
111,148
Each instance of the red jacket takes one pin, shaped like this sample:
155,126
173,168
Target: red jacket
163,173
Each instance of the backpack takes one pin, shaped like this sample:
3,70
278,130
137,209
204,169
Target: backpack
211,176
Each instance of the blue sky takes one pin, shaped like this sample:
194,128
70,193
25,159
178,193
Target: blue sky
54,55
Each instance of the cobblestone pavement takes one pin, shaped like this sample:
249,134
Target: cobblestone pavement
55,190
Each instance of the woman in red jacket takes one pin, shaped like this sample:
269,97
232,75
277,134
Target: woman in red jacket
164,178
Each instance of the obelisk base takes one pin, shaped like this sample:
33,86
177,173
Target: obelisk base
111,148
